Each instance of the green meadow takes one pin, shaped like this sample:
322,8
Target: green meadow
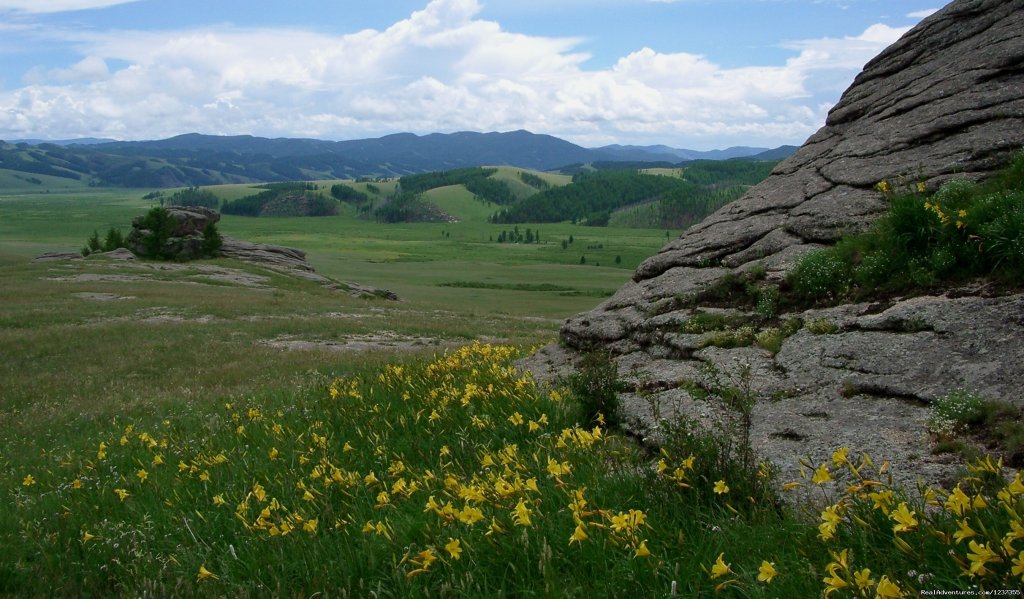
217,429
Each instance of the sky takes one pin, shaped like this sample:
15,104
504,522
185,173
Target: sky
696,74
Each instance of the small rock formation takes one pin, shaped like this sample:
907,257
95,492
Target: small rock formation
945,101
186,239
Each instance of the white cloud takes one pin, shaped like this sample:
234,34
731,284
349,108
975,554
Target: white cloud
441,69
50,6
921,14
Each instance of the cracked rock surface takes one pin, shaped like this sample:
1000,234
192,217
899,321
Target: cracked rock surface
945,101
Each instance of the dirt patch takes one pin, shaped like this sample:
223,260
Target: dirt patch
102,297
100,278
383,341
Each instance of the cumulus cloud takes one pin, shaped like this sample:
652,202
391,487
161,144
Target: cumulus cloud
51,6
921,14
441,69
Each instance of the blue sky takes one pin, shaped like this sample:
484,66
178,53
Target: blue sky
699,74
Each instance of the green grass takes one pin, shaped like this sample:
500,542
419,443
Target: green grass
459,202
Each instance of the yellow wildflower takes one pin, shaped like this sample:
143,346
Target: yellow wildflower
205,574
28,481
642,550
863,579
470,515
158,459
767,571
888,589
821,475
310,526
831,518
121,493
1018,565
142,474
521,514
218,500
979,555
921,187
454,548
721,488
579,535
834,582
76,484
86,537
720,568
904,518
963,531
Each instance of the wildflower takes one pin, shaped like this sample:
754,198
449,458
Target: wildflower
831,518
888,589
28,481
642,550
1018,565
454,548
834,582
494,528
86,537
579,535
470,515
218,500
204,476
720,568
721,488
921,187
979,555
205,574
142,474
863,579
963,531
904,518
821,475
840,456
883,186
521,514
767,571
370,479
158,459
273,453
76,484
310,526
121,493
102,453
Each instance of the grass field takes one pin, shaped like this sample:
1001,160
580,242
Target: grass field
201,339
218,429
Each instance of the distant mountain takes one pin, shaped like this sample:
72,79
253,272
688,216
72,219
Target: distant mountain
82,141
196,159
779,153
666,153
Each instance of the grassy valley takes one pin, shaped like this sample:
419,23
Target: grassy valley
217,428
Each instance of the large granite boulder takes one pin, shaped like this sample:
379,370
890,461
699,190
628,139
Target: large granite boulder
945,101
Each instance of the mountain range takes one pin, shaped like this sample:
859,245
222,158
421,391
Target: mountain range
196,159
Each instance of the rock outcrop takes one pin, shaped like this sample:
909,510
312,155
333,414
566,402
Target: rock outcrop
945,101
185,242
